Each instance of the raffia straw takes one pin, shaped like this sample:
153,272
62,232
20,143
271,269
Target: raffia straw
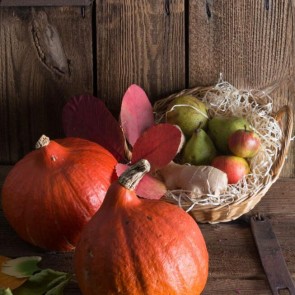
223,99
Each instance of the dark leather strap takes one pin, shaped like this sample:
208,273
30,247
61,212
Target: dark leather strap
271,255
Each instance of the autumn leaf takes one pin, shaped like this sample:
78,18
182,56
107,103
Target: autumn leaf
5,291
45,282
87,117
151,188
8,281
136,114
21,267
159,145
24,277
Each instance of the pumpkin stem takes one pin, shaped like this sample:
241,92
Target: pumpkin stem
43,141
132,176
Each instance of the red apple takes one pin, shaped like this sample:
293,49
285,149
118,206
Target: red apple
235,167
244,143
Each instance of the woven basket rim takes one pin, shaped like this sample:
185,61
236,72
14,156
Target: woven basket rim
228,212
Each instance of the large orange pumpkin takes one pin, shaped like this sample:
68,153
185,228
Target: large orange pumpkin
136,246
52,192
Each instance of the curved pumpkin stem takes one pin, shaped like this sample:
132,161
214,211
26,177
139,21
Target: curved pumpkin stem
42,141
132,176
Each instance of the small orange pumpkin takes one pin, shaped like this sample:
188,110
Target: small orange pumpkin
137,246
52,192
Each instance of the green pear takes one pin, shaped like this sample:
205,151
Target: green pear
188,113
221,128
199,149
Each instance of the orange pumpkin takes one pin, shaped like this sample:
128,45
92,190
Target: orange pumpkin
52,192
137,246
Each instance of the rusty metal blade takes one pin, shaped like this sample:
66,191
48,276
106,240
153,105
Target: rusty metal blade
271,255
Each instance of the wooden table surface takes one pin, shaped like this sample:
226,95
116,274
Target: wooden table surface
235,267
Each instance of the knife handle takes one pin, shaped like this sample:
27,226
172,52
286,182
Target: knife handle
271,256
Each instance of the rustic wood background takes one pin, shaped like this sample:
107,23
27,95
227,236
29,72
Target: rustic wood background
48,54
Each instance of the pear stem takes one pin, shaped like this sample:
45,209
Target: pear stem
197,130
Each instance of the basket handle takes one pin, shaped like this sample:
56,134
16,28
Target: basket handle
285,111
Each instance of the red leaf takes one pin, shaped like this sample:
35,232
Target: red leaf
159,145
148,188
136,113
120,168
151,188
87,117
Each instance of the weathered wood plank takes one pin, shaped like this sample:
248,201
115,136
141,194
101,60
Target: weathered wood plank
247,41
281,96
279,200
45,57
248,286
232,246
10,3
139,42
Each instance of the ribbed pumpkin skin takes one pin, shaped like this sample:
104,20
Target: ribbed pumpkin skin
140,247
52,192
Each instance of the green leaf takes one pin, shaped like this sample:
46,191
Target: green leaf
21,267
5,291
45,282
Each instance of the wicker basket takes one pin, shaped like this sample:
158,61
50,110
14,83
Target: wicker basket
233,210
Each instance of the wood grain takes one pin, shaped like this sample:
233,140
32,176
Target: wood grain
19,3
45,57
139,42
250,42
248,286
285,95
235,267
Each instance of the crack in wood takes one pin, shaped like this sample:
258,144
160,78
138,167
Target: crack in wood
167,7
48,44
208,10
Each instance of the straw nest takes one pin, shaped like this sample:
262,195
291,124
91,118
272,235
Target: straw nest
274,129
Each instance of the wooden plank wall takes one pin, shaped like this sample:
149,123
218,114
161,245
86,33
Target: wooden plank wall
164,46
45,57
140,42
